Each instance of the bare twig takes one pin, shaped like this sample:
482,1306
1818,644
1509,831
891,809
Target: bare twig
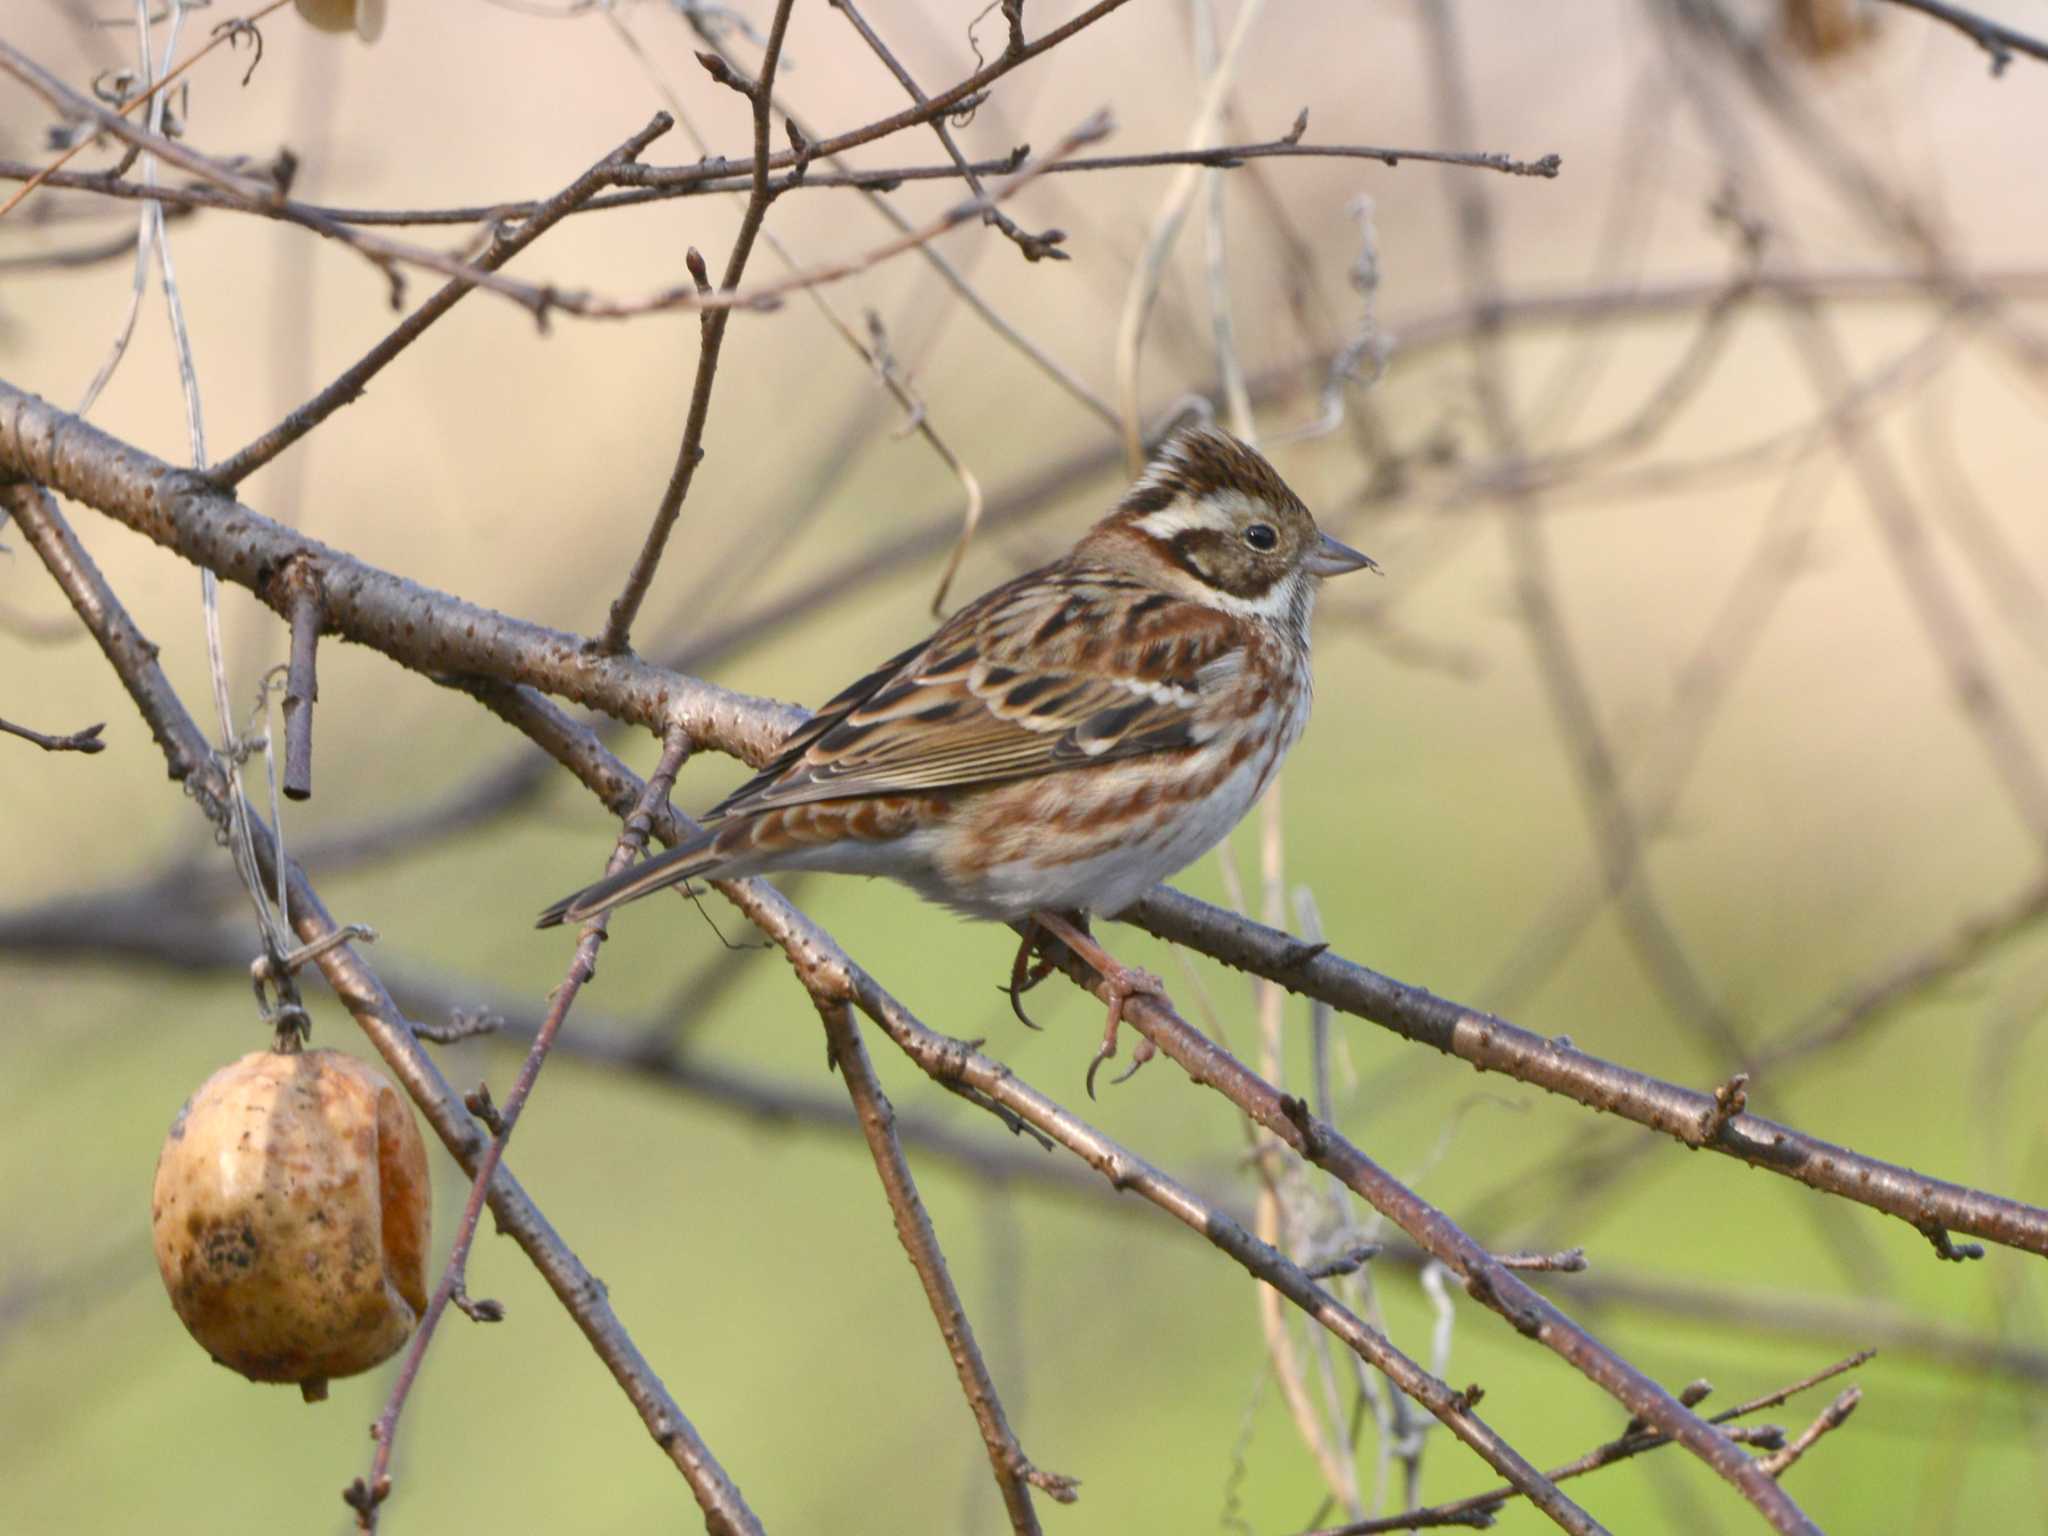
766,295
368,1494
710,340
1832,1417
1554,1064
664,183
1486,1279
302,684
1014,1473
348,388
1998,41
86,741
227,33
1479,1508
1035,247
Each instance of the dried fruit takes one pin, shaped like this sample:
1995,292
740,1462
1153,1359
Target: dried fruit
291,1213
365,16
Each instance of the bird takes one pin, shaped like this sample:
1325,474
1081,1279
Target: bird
1064,742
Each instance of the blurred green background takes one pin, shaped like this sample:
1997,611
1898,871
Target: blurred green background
1841,817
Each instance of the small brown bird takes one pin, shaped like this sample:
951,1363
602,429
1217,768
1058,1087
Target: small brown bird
1065,742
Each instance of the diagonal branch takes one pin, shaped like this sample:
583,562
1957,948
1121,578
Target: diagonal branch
1555,1065
1489,1281
827,970
357,986
1014,1473
435,633
2000,42
428,631
348,387
710,342
368,1496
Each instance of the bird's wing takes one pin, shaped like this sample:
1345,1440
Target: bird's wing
1058,668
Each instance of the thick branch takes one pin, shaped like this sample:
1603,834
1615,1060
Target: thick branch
425,630
436,633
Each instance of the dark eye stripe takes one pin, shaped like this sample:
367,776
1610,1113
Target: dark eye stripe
1183,549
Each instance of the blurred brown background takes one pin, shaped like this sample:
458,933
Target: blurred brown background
1841,816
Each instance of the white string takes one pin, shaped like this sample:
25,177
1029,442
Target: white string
241,842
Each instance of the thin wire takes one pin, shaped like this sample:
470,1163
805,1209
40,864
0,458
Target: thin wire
275,925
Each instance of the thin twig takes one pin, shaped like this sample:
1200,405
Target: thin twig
1479,1508
664,183
227,33
1035,247
1015,1475
366,1496
1486,1279
349,386
710,340
86,741
1998,41
767,295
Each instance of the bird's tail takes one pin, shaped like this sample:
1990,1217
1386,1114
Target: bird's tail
670,867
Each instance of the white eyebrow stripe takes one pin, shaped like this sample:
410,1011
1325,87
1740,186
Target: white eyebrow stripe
1219,511
1178,518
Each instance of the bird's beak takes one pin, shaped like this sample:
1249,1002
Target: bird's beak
1331,558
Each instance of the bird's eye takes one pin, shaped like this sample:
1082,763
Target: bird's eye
1261,536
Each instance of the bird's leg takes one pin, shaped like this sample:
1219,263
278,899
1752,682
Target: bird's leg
1027,972
1123,982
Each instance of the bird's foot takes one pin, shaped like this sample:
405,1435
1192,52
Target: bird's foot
1125,983
1122,982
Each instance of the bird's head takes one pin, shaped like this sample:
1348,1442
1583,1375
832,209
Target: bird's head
1211,520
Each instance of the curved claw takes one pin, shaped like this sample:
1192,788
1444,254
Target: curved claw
1144,1053
1017,1007
1102,1053
1025,973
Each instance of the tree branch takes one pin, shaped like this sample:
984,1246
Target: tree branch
186,752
